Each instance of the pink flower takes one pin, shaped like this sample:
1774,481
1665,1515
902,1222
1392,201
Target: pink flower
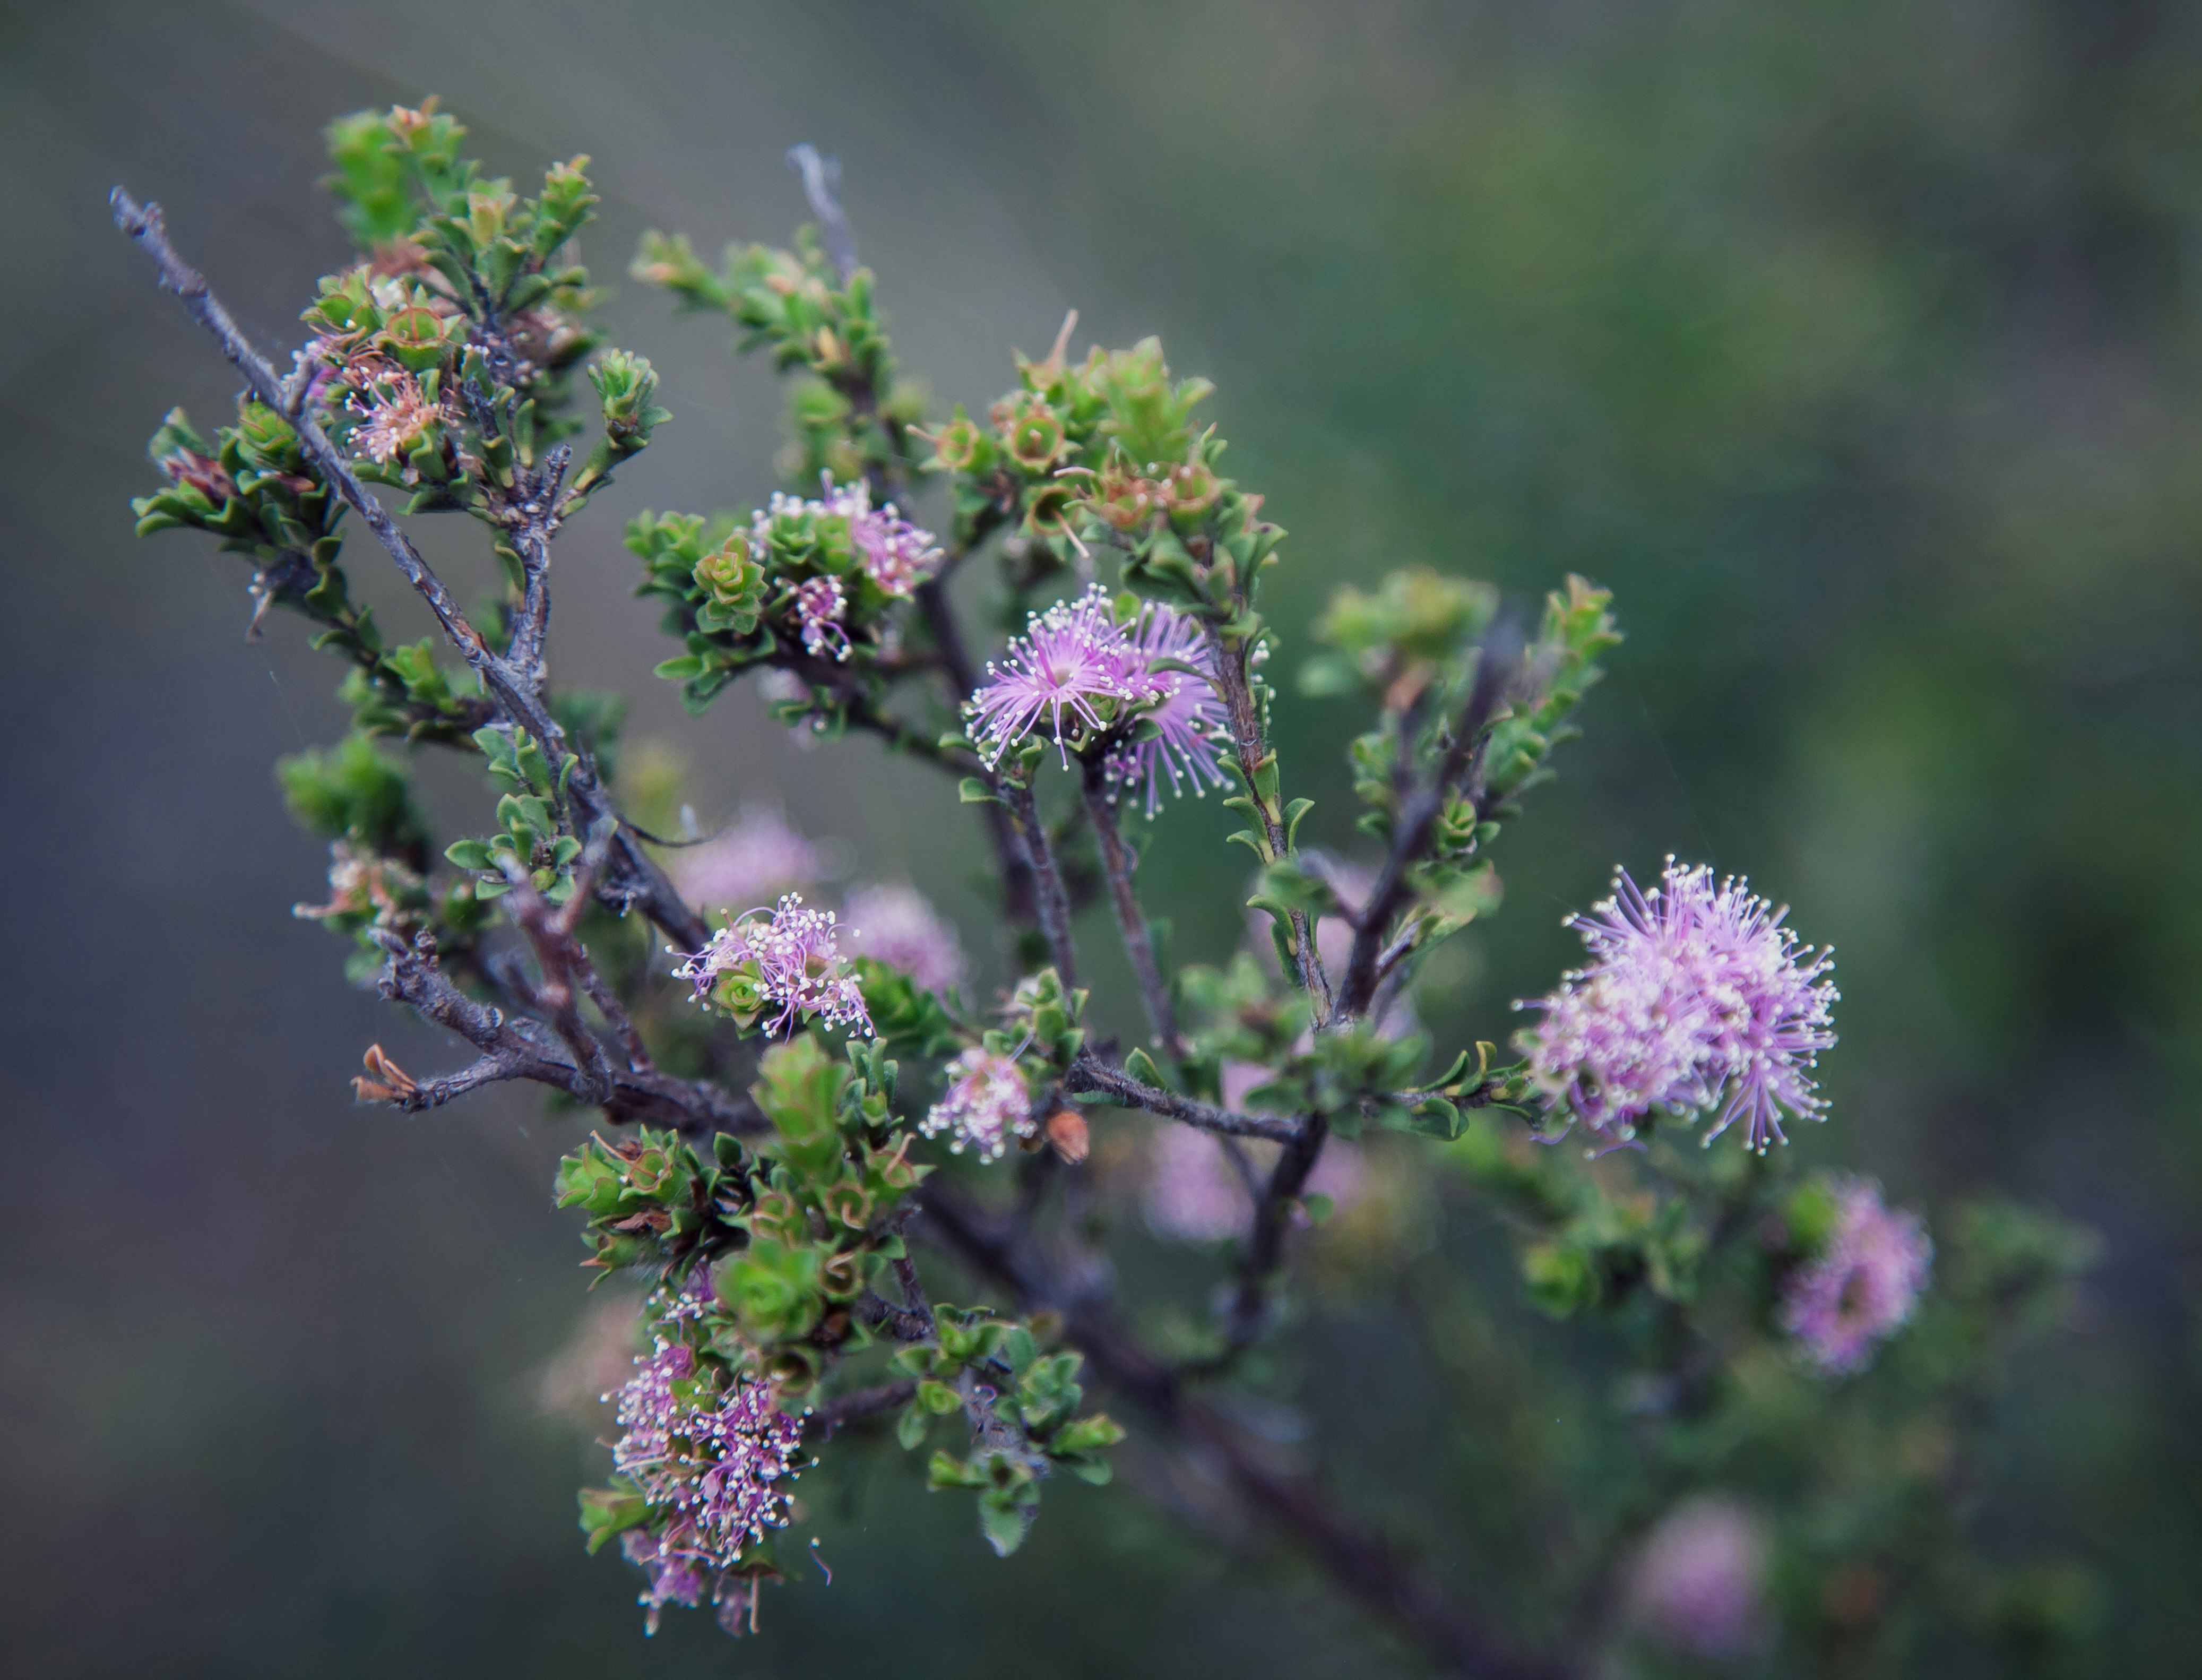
897,925
1072,658
897,555
1185,710
1193,1195
987,1104
396,419
1865,1284
1695,992
793,961
754,859
1698,1580
819,607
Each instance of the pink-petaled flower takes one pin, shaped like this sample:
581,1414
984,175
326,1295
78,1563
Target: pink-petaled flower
1865,1284
1698,1581
1185,710
791,961
756,857
899,926
1074,658
1697,996
896,554
819,605
987,1104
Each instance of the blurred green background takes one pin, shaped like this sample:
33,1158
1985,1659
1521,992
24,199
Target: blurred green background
1855,346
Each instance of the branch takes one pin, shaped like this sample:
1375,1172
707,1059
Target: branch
1356,1558
1090,1073
856,1406
1251,745
1052,905
1463,763
821,175
1265,1245
636,881
524,1049
1117,864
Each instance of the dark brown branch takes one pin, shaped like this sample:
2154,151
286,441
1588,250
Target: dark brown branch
1117,864
1460,769
519,1048
1090,1073
1356,1558
636,881
857,1405
1049,900
1265,1243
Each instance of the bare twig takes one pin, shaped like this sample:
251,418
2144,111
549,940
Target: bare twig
821,175
1050,902
1090,1073
1117,864
857,1405
526,1050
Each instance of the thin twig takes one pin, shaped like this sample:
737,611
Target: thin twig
1088,1072
1050,901
1118,865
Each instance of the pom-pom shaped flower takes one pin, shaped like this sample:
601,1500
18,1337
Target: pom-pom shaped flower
756,857
1695,992
1188,714
1073,658
714,1463
790,963
987,1104
897,925
1698,1582
1865,1284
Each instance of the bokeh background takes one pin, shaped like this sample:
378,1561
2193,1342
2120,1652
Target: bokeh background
1855,346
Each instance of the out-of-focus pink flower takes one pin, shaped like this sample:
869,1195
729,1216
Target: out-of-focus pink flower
897,924
1865,1283
1698,1580
1193,1192
752,862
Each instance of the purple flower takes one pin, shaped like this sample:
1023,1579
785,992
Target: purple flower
756,857
713,1465
1193,1192
1699,1578
897,926
988,1103
673,1576
1072,657
1695,991
819,607
793,961
1188,714
1865,1284
897,555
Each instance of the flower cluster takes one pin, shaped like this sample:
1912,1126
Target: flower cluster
1694,990
896,555
715,1462
987,1104
793,962
1865,1284
1075,658
901,928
